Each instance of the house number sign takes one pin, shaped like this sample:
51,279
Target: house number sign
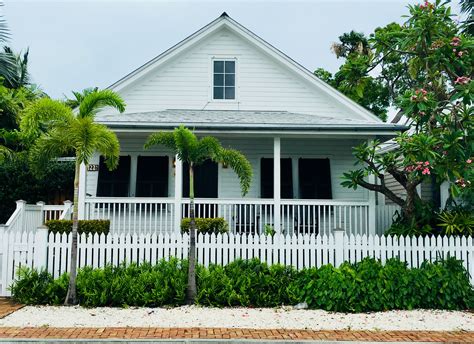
93,167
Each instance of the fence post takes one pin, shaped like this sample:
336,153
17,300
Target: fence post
66,214
41,248
339,243
20,204
42,213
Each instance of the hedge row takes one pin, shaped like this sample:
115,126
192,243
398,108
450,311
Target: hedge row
206,225
361,287
84,226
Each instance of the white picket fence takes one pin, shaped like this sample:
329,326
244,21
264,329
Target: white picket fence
39,250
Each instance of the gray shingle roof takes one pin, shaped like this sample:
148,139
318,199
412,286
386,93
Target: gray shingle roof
233,119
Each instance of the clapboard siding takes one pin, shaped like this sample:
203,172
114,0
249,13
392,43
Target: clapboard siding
262,82
337,150
394,186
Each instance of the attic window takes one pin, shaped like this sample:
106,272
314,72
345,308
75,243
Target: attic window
224,79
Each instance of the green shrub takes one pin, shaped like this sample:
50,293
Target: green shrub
246,283
365,286
456,222
18,181
206,225
84,226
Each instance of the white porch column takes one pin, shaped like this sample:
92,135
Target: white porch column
372,206
82,192
277,184
296,177
178,192
133,175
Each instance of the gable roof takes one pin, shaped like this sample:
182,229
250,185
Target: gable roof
224,21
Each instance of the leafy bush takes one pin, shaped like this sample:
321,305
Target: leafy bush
456,222
18,181
246,283
361,287
84,226
206,225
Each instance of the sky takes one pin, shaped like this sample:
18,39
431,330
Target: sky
79,44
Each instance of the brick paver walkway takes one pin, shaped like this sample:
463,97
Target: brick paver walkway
226,333
7,306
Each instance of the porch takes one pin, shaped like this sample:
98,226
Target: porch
295,189
249,216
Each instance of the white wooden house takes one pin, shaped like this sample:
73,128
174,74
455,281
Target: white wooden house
225,81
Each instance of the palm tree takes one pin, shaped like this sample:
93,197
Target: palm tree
79,96
76,133
188,148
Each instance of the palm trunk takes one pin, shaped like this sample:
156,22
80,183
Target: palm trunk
192,290
71,298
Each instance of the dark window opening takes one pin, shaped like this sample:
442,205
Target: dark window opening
152,176
314,179
224,80
205,180
114,183
266,178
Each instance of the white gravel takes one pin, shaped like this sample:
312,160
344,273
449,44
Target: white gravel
262,318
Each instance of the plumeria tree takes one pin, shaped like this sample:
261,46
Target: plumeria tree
55,131
194,151
428,61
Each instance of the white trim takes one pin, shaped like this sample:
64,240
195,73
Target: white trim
132,187
211,79
235,27
277,183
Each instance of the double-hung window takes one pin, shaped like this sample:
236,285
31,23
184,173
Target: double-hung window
224,79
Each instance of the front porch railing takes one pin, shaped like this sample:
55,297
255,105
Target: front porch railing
252,216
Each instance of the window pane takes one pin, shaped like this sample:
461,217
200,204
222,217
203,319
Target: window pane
230,79
230,93
218,66
230,66
218,79
218,92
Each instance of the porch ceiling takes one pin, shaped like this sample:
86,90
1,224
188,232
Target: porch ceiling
242,120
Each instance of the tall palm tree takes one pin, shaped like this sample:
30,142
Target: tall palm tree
68,132
188,148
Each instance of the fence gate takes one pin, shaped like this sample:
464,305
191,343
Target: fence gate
19,249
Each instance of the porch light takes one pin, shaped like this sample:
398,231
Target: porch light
174,162
224,165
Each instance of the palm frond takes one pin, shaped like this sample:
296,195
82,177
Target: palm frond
96,101
186,143
241,166
79,96
207,148
107,144
41,115
5,153
161,139
53,144
4,31
8,68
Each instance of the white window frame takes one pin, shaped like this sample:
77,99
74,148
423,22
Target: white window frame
211,79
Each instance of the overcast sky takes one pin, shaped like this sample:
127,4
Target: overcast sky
79,44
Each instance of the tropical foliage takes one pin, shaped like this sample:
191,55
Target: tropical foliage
365,286
424,68
194,151
56,131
